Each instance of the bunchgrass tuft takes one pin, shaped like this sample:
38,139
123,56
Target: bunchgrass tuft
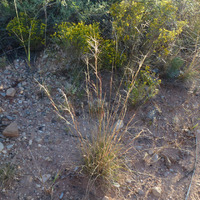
7,174
102,149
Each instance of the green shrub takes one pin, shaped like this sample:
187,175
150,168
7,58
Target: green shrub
174,68
79,38
143,26
76,35
145,86
2,62
110,56
26,28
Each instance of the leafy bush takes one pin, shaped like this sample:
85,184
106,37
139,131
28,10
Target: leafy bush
79,38
25,29
174,68
76,35
145,86
146,26
110,56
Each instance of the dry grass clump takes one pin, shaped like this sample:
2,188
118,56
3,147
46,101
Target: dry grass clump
7,174
102,149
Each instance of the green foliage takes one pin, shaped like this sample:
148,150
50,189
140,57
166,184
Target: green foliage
146,25
109,56
25,29
7,173
76,35
174,69
145,86
2,62
79,36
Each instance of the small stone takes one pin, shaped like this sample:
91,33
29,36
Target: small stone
176,120
48,159
155,157
118,125
1,110
4,151
9,117
152,114
105,198
38,185
38,140
167,161
117,185
10,146
11,130
128,180
24,83
30,142
166,174
1,146
10,92
140,192
61,196
150,152
156,191
45,178
2,94
138,148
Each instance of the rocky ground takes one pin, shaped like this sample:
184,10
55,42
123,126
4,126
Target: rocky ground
43,161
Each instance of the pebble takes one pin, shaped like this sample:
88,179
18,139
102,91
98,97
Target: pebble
118,125
150,152
48,159
117,185
61,196
128,180
3,94
140,192
1,109
4,151
11,130
1,146
166,174
30,142
105,198
9,117
38,185
38,140
152,114
45,178
155,157
10,146
10,92
138,147
156,191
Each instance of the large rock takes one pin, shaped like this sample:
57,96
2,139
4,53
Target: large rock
10,92
11,130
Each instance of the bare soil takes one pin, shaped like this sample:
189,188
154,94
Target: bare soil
164,155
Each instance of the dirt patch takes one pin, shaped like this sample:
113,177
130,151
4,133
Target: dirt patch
163,156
